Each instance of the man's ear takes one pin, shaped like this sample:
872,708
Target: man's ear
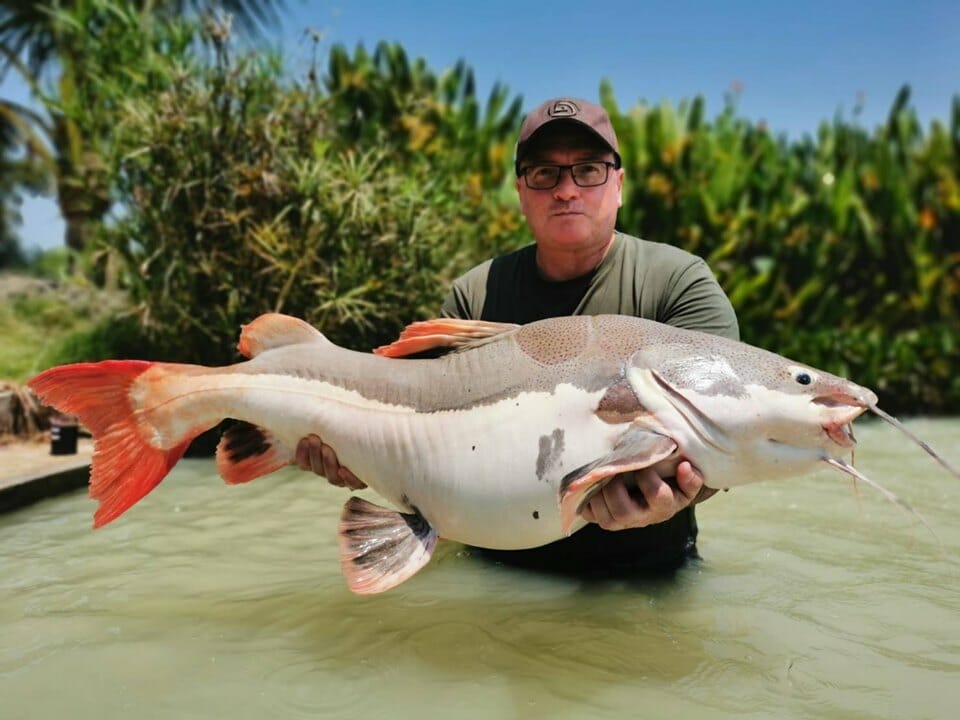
620,188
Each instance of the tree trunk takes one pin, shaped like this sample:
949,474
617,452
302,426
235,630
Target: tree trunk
82,191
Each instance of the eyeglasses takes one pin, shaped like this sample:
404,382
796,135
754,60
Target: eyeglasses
584,174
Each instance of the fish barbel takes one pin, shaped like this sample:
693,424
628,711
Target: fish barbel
498,444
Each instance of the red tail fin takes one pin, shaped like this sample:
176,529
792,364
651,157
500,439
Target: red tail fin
125,466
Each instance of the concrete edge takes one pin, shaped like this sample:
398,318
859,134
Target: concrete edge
20,492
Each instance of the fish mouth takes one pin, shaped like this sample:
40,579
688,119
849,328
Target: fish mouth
840,428
841,433
844,409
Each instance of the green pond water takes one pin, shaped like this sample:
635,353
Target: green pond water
813,600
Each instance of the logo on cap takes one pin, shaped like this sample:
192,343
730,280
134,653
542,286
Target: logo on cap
563,108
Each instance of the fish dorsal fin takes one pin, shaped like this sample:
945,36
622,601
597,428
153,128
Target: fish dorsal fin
273,330
450,333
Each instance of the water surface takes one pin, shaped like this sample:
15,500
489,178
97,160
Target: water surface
812,600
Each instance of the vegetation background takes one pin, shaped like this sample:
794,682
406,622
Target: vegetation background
202,185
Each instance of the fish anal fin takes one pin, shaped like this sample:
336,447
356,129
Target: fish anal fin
637,449
449,333
380,548
246,452
272,330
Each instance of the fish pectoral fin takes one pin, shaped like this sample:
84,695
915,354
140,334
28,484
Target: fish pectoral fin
638,448
450,333
273,330
380,548
246,452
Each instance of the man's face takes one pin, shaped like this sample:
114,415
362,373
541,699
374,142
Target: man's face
570,217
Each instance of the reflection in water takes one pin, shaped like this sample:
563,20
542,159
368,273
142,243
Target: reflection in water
205,600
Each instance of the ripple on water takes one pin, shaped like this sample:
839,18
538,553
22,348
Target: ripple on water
308,688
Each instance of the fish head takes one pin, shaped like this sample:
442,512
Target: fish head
744,414
813,409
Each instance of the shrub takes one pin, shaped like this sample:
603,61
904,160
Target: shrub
242,199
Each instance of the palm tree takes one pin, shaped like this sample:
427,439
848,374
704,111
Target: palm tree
49,45
22,167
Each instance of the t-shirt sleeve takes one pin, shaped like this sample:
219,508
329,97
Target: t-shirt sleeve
456,305
697,302
466,296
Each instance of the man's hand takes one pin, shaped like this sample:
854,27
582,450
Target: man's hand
314,455
653,501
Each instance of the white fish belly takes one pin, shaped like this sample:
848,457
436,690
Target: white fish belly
490,475
486,476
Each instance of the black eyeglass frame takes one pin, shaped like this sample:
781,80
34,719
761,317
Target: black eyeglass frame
560,168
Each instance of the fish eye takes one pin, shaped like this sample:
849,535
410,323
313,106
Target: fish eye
804,378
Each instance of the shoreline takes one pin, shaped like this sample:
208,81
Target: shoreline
29,473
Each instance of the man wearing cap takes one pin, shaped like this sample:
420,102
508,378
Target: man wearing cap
569,180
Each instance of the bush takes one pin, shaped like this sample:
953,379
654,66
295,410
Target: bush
242,200
42,323
832,249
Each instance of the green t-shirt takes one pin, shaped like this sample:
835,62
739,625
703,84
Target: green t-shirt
637,277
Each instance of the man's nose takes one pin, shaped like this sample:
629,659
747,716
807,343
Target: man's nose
566,188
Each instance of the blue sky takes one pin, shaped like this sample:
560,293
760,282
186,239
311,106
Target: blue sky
797,63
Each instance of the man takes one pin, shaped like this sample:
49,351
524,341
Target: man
569,180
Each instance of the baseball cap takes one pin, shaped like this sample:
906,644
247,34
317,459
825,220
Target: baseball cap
588,114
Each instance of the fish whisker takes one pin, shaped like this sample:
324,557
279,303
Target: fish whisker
902,428
892,497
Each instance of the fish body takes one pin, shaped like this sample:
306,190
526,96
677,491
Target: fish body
498,444
459,467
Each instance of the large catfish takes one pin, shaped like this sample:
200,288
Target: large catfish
497,444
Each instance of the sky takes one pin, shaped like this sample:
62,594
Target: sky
797,64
